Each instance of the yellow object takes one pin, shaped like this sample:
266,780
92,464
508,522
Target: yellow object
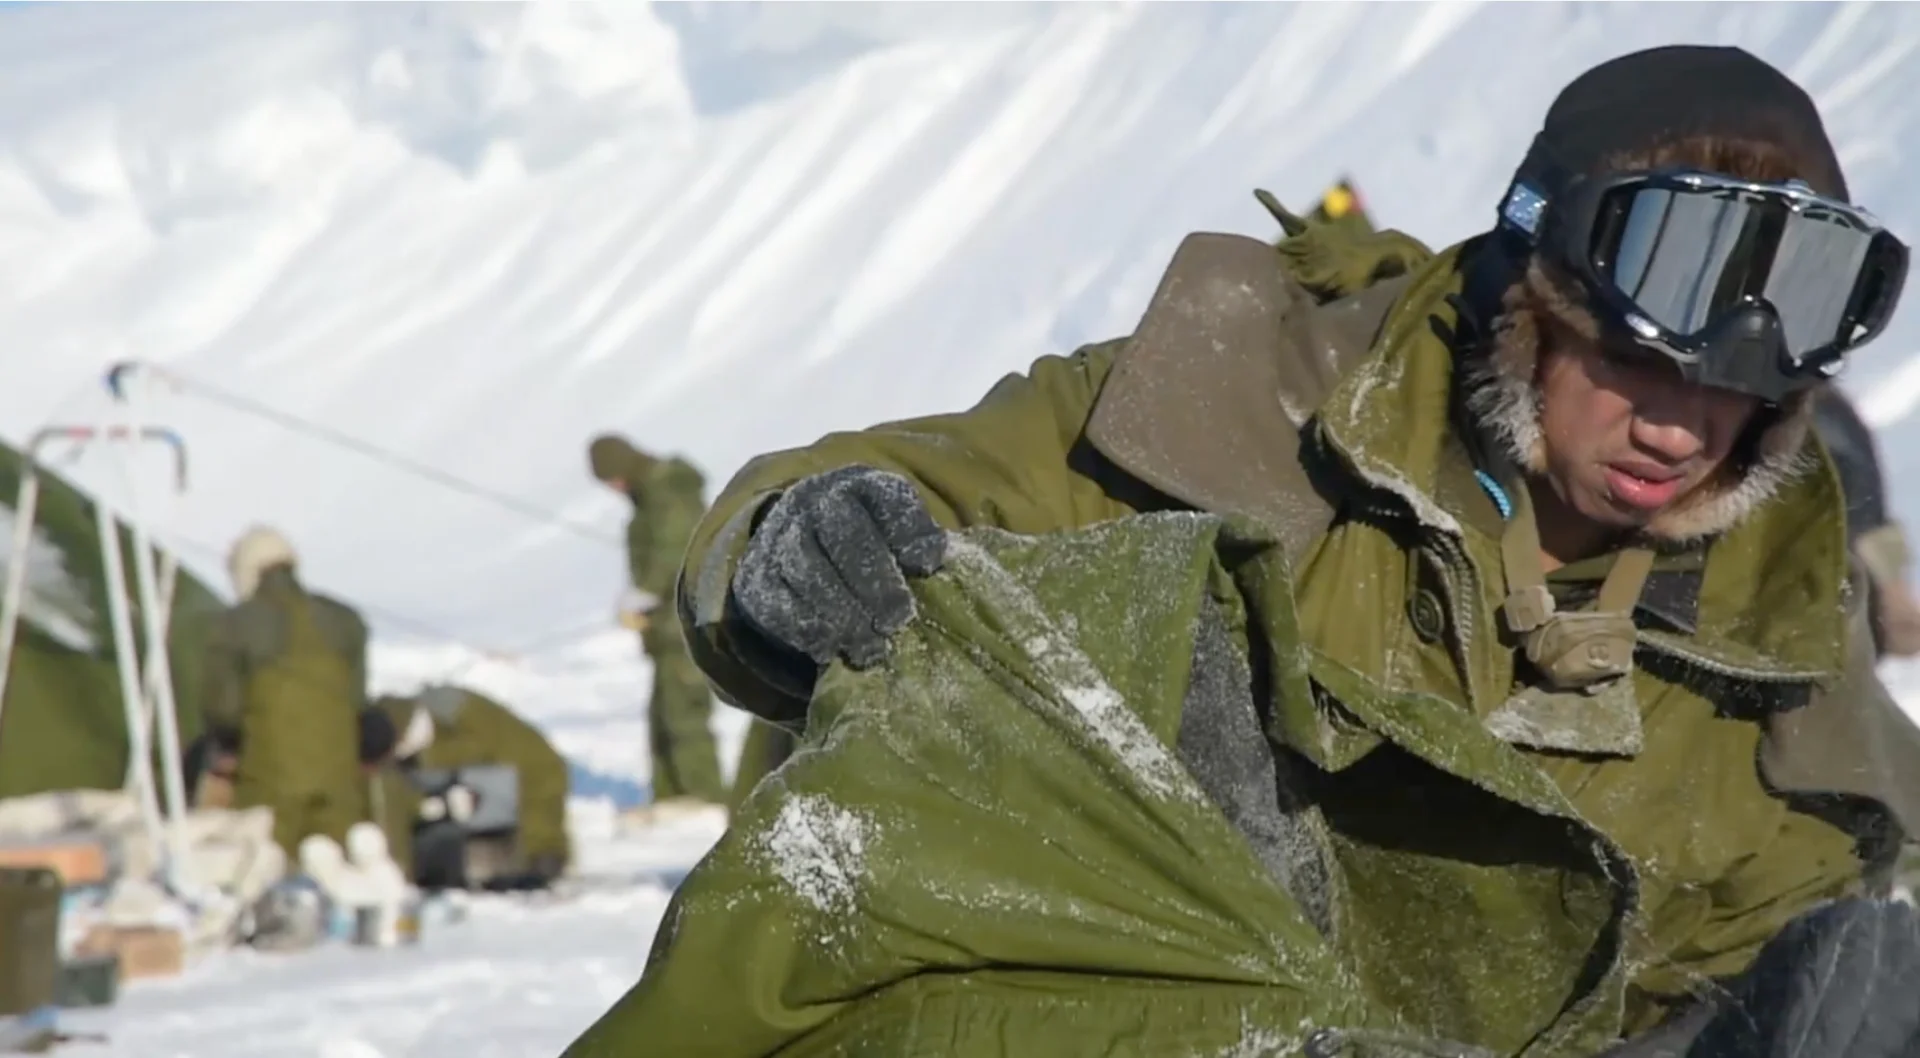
634,619
1338,203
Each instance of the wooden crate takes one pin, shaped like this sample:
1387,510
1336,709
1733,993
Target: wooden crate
143,951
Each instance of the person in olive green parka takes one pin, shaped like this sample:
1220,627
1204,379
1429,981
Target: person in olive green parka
284,680
668,501
453,727
1564,674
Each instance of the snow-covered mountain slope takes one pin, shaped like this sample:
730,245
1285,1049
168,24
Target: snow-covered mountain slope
474,235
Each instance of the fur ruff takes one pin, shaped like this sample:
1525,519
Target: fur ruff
1500,379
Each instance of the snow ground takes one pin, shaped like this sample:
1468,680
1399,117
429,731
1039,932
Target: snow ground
472,235
514,980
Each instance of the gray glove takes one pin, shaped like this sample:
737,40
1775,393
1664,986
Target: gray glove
1838,982
826,572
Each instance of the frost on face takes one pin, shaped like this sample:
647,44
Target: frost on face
819,849
55,602
1068,672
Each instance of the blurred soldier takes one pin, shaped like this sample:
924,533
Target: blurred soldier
446,727
1876,539
284,682
668,501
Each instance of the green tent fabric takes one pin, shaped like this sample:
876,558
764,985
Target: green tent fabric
62,725
986,846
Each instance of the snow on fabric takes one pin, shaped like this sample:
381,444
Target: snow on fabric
1068,672
999,794
819,850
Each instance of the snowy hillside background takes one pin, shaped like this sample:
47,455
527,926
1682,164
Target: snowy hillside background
474,235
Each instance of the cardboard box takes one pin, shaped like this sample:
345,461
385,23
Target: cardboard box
143,951
79,859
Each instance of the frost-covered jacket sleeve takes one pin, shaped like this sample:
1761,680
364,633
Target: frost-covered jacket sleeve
1006,462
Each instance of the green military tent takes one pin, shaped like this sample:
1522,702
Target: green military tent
62,723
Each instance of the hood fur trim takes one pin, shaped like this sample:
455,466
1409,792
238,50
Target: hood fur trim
259,549
1502,395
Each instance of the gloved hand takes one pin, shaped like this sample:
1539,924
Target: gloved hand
1838,982
826,572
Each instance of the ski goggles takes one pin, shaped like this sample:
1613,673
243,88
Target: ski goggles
1756,287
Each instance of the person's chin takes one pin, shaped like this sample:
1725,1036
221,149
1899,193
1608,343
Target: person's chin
1606,511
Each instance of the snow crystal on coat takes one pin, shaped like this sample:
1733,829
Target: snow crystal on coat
819,850
1259,1042
1072,675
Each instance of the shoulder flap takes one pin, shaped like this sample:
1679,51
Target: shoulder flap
1207,400
1850,738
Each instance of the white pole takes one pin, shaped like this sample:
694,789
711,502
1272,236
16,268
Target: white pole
150,689
159,665
126,655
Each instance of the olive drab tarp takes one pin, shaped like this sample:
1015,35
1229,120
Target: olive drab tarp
987,847
63,724
992,847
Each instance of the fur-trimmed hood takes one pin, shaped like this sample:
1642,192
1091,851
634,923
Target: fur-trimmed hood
258,550
1500,389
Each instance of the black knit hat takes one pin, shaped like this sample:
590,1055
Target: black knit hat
1647,99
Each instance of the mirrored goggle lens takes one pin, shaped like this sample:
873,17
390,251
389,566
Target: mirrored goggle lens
1687,257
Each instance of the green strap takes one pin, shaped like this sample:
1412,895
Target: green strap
1572,650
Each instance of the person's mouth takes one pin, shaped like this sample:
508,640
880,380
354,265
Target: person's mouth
1643,486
